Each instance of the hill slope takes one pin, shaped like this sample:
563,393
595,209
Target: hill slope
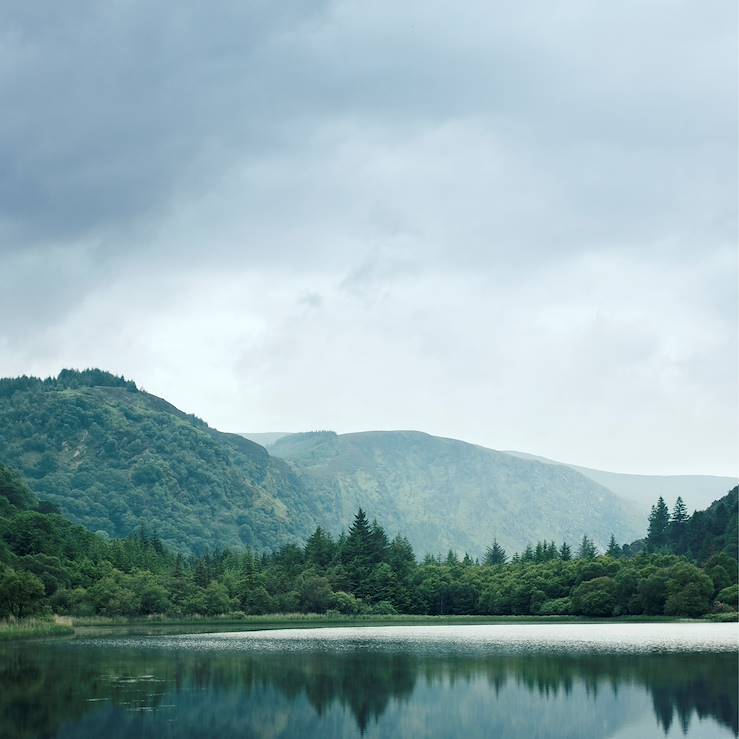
698,491
111,456
444,493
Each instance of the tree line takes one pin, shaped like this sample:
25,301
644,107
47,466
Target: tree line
49,564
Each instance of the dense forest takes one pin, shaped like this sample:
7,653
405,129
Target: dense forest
111,455
686,566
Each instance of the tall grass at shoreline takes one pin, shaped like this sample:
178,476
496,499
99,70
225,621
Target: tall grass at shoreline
35,628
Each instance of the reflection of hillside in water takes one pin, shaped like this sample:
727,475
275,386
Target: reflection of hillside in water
67,690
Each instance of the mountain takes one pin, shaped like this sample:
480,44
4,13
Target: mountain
698,491
443,493
111,457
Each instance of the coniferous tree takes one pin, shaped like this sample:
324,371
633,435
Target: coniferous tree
678,527
565,552
495,555
319,549
680,511
587,549
539,552
613,550
659,521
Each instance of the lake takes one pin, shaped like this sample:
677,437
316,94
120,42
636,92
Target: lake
527,681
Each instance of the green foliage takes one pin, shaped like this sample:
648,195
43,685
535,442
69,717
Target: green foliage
21,593
111,456
14,489
729,597
48,564
595,597
445,494
698,537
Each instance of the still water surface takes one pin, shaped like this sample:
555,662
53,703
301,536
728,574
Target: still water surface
559,681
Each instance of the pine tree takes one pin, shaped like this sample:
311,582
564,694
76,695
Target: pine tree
680,511
357,553
495,555
378,544
659,520
587,549
319,549
539,552
614,550
677,527
565,552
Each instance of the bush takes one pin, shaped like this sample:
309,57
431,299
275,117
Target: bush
595,597
383,608
729,597
345,603
556,607
21,593
689,591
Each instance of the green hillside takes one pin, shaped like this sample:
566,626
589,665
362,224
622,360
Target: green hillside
447,494
112,456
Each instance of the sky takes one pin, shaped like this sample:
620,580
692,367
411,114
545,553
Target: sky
510,223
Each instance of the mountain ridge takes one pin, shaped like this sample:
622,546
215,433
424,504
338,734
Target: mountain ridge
112,456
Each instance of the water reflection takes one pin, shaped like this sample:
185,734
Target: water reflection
73,690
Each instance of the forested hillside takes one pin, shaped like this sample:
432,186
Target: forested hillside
112,456
48,563
447,494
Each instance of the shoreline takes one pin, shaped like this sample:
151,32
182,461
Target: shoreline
71,627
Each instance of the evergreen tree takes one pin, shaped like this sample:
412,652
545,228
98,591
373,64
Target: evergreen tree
659,520
378,544
680,511
539,552
565,552
614,550
677,529
495,555
587,549
320,548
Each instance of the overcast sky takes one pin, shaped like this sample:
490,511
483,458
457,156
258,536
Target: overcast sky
511,223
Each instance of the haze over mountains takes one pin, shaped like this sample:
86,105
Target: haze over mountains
698,491
112,457
447,494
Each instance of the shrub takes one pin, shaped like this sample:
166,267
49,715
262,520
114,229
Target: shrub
595,597
556,607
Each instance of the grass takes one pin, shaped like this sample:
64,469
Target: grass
243,622
100,625
724,618
35,628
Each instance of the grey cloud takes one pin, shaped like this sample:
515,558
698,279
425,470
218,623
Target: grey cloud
450,191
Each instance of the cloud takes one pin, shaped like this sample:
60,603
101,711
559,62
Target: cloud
512,224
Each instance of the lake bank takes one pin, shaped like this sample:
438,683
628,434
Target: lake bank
153,625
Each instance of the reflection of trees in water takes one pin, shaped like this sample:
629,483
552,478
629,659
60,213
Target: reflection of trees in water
43,688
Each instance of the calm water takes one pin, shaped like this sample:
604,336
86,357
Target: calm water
579,681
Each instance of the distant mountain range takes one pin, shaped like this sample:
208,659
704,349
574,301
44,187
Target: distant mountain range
448,494
113,457
698,491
